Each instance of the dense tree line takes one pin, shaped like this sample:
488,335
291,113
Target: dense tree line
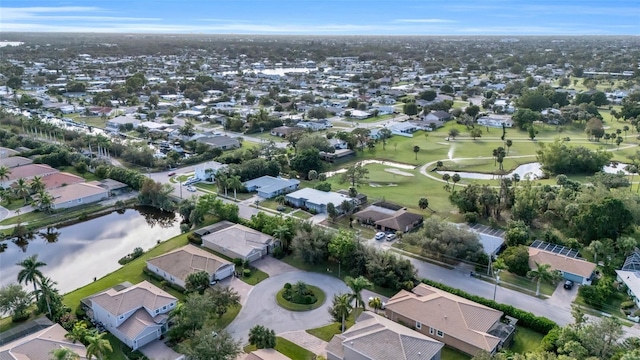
560,158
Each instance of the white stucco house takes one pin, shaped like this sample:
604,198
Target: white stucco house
137,315
208,170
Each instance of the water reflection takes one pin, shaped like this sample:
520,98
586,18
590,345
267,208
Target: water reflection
77,253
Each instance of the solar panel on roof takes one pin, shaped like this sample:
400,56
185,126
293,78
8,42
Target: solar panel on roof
558,249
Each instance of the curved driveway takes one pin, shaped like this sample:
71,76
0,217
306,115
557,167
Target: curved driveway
261,307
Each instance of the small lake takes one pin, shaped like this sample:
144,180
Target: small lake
530,170
78,253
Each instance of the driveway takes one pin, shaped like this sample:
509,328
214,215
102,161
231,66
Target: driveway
157,350
3,213
262,309
562,296
242,288
273,266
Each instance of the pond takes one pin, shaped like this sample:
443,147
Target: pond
530,170
78,253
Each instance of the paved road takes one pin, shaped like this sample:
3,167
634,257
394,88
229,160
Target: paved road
261,307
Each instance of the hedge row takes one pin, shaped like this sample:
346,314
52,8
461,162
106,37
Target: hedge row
536,323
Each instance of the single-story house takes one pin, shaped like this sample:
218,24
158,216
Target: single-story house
439,115
282,131
493,121
426,125
14,161
359,114
77,194
27,172
176,265
562,259
374,337
338,144
389,217
213,228
220,142
101,111
316,200
629,275
459,323
238,241
40,344
60,179
114,187
115,123
403,129
137,315
338,155
269,186
207,171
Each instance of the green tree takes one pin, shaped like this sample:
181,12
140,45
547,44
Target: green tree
532,132
15,301
357,285
342,246
197,281
332,212
516,258
455,178
64,353
543,273
410,109
210,344
423,203
508,144
341,308
375,303
306,160
472,110
517,233
30,271
524,118
78,333
4,174
383,134
22,189
98,346
475,133
453,133
416,150
262,337
312,175
355,175
235,184
595,247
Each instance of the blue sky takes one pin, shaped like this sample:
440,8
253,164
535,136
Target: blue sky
326,17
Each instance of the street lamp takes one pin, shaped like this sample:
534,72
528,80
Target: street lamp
180,188
495,288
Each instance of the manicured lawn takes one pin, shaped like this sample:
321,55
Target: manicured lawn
526,340
96,121
131,272
321,297
38,218
257,275
610,306
453,354
228,317
15,204
287,348
301,214
328,331
88,176
523,282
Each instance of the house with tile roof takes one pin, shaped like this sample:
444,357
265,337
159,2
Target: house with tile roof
374,337
390,217
575,269
39,345
27,172
238,241
65,197
459,323
176,265
135,314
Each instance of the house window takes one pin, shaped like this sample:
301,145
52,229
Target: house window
431,331
418,325
157,311
439,333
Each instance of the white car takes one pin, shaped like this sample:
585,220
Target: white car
391,237
380,235
191,188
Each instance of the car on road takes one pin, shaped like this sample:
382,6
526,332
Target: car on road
171,173
391,237
380,235
568,284
191,188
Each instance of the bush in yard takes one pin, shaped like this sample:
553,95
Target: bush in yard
194,239
550,340
278,253
299,294
246,272
237,262
287,286
627,304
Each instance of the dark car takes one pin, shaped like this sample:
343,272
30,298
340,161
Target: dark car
171,173
568,284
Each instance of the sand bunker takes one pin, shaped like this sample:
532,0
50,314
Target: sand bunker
398,172
376,185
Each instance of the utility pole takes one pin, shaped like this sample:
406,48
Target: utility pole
180,189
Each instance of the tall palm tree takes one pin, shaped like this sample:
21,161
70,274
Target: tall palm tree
22,189
455,178
542,273
357,285
375,303
47,290
30,272
36,184
98,346
44,201
223,182
234,183
4,174
596,247
342,306
79,332
282,233
64,353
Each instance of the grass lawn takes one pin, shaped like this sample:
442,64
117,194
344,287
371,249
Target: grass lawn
523,282
610,306
526,340
88,176
257,275
321,297
287,348
228,317
374,119
131,272
96,121
15,204
301,214
328,331
453,354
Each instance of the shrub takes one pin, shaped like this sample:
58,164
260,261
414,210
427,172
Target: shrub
194,239
536,323
237,262
627,304
278,253
80,313
287,286
246,272
550,340
245,264
20,317
471,217
309,299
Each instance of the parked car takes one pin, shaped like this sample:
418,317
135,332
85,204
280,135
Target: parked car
391,237
171,173
191,188
380,236
568,284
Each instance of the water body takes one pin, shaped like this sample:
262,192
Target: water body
530,170
78,253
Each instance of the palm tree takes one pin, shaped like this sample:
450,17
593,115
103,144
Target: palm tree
36,184
223,182
455,178
30,272
423,203
375,303
22,189
98,346
44,201
633,170
4,174
282,233
596,247
47,290
234,183
64,353
446,177
416,150
357,285
542,273
508,144
80,331
342,306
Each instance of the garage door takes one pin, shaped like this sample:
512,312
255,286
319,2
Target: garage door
224,272
147,338
575,278
254,256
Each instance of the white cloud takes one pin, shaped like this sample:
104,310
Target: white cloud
425,21
61,13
